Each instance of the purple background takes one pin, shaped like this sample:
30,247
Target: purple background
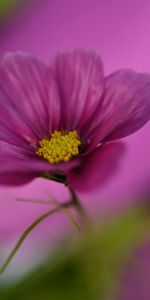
120,32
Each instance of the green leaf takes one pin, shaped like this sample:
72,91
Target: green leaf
88,267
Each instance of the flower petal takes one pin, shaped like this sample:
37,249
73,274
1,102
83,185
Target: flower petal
11,151
28,97
125,107
97,167
28,168
15,179
79,75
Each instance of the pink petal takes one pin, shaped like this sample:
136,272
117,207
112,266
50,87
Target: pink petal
97,167
79,75
12,128
15,179
28,97
16,171
126,105
9,151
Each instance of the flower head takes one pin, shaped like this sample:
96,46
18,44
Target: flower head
56,119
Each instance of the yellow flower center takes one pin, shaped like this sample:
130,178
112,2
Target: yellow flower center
60,147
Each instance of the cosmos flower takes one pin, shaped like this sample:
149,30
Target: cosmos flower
58,120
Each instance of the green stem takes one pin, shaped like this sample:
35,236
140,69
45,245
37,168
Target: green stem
74,201
56,203
79,206
29,229
55,177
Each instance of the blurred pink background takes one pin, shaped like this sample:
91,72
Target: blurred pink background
120,32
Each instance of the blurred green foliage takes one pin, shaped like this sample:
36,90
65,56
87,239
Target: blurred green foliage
7,6
88,267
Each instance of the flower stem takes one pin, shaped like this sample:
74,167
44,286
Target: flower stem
29,229
73,202
79,206
56,203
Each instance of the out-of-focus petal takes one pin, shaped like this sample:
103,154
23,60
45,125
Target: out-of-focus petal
30,168
16,179
79,75
97,167
29,99
125,107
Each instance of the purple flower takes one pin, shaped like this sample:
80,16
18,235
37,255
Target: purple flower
57,121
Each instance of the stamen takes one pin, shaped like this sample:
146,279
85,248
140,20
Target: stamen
60,147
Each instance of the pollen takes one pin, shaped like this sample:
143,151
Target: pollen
60,147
